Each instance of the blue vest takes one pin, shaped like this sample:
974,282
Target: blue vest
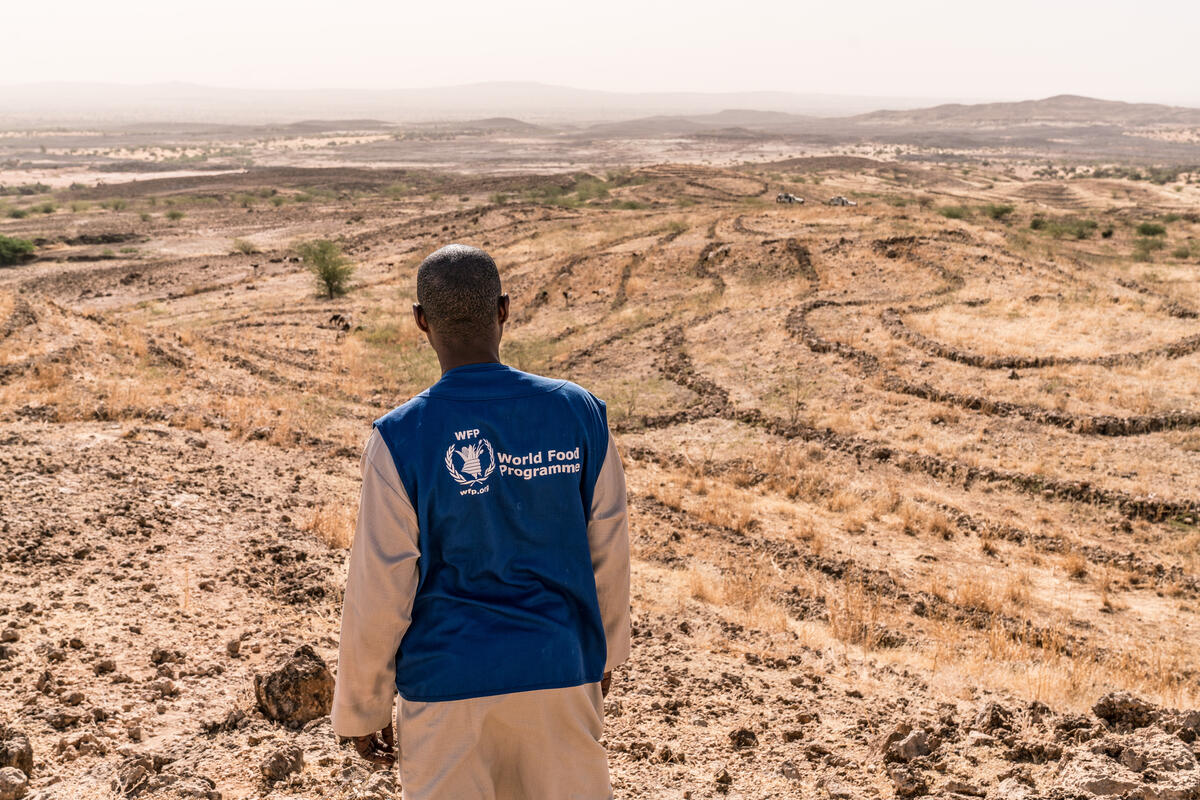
500,466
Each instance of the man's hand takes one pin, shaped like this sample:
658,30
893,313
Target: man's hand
606,684
378,748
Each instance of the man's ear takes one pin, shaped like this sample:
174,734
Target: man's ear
502,308
419,316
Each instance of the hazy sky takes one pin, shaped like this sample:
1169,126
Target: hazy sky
912,48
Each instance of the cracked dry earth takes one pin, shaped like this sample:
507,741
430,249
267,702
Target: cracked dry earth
913,500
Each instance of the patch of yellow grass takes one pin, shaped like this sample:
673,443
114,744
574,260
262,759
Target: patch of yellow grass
333,524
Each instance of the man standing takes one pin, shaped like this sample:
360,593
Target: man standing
489,577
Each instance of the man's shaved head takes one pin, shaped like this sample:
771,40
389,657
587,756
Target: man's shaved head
458,287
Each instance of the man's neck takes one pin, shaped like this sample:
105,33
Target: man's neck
449,361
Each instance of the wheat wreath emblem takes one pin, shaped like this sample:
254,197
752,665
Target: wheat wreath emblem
470,462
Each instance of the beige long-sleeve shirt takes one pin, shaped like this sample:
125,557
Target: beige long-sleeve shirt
382,584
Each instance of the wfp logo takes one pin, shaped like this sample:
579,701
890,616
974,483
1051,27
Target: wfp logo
472,463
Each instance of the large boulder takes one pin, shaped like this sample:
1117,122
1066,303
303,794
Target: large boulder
15,750
299,691
13,783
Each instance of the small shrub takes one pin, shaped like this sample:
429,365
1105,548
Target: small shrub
331,269
995,211
1151,229
18,213
116,204
245,247
278,200
1181,252
1144,248
1172,217
498,199
45,208
954,212
145,217
80,205
13,251
1107,233
629,205
590,189
175,215
1069,226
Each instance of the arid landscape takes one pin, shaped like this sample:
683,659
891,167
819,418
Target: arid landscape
914,482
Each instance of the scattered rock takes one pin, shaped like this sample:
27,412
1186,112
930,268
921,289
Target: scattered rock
299,691
79,744
282,762
993,717
1090,773
13,784
1153,750
668,756
134,773
1011,789
954,786
790,771
907,781
912,746
62,719
1033,750
161,655
980,739
379,785
743,738
1125,711
15,750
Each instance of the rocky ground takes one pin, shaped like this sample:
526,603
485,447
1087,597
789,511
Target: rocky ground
912,494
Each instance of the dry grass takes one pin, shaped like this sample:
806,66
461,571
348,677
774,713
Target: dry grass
855,615
333,524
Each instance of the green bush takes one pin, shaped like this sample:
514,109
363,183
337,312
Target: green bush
995,211
13,250
175,215
18,213
1151,229
1068,226
1169,218
1181,252
116,204
245,247
498,199
954,212
629,205
278,200
590,189
331,269
1144,248
1107,233
45,208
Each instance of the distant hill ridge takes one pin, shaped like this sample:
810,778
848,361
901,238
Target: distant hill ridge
1063,108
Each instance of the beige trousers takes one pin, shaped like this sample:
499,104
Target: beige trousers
540,745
